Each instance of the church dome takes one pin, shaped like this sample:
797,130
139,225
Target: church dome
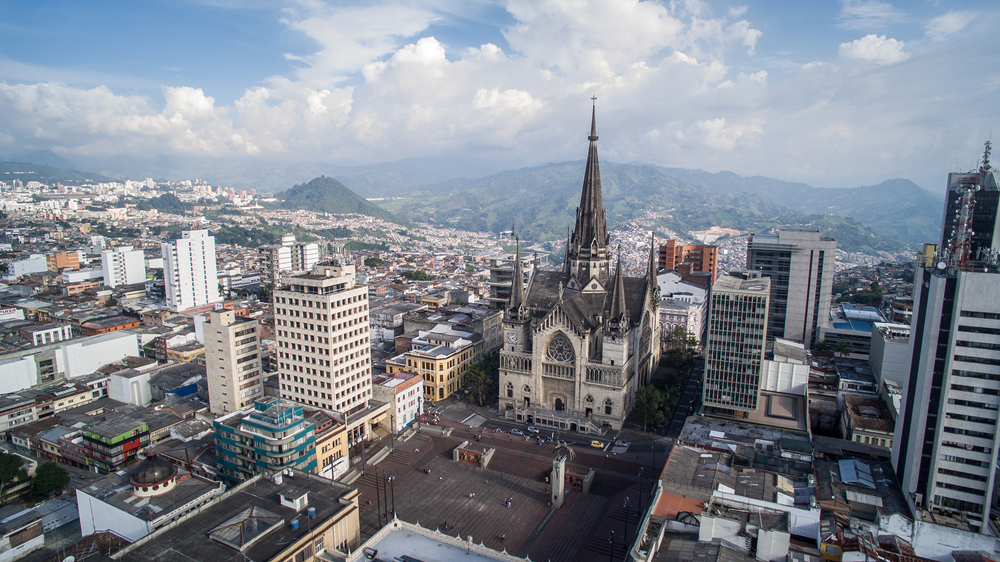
152,471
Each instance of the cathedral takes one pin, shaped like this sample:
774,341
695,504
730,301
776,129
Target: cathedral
578,343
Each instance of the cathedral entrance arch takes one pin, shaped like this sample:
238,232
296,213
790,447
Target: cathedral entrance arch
558,405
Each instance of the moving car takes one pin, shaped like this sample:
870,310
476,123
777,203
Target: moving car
597,444
516,431
532,429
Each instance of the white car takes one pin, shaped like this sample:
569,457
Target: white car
516,431
532,429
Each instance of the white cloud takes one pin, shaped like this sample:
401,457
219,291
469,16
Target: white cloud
868,14
737,11
874,48
939,28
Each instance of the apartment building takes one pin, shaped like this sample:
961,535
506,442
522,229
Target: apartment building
404,391
233,362
703,259
123,266
270,437
287,257
734,353
62,260
189,270
321,325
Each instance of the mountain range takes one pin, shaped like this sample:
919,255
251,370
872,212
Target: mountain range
541,202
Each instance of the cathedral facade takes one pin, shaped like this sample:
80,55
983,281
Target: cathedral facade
578,343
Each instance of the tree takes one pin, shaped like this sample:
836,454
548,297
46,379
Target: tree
112,301
374,262
649,405
843,348
10,470
679,348
49,478
821,345
478,382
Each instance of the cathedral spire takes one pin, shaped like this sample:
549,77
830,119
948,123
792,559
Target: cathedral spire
588,252
652,268
618,314
516,301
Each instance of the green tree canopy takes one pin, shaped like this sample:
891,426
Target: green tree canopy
49,478
374,262
478,382
649,406
10,470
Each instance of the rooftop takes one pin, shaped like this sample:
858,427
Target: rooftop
189,539
116,490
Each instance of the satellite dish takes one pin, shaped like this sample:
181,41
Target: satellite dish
941,265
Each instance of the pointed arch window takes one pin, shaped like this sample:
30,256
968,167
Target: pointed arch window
510,390
608,406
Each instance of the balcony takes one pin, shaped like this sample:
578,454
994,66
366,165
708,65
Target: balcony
606,375
515,362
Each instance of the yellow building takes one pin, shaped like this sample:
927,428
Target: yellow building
441,357
332,460
186,353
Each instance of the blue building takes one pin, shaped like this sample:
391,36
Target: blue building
274,435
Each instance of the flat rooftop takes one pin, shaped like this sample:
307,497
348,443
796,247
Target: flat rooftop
423,545
115,490
760,446
189,539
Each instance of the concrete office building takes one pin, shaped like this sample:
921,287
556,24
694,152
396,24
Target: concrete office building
800,265
189,270
947,433
734,350
322,328
232,362
287,257
123,266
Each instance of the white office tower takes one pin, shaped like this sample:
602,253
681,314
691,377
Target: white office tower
948,439
322,328
232,362
189,271
123,266
290,256
947,434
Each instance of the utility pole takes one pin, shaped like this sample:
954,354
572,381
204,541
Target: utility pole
392,487
378,501
640,489
611,553
625,538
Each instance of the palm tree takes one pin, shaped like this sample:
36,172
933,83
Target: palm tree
843,348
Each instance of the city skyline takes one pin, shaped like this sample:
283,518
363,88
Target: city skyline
835,95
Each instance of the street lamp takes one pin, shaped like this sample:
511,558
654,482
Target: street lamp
392,489
611,553
392,432
640,489
625,538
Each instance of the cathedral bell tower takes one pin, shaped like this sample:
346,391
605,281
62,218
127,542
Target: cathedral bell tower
587,247
516,319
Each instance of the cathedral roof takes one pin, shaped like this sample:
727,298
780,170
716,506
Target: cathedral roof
583,308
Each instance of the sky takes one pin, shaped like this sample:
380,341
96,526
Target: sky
833,94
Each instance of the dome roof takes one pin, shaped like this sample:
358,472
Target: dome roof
152,471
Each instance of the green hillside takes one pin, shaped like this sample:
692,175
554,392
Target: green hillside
541,203
327,195
10,171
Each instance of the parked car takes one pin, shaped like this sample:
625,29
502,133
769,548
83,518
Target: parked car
516,431
532,429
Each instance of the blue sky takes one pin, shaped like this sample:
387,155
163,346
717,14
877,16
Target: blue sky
835,94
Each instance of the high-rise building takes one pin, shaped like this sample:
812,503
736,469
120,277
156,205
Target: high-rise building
734,349
232,362
581,341
322,328
123,266
800,265
947,439
288,257
703,258
189,270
